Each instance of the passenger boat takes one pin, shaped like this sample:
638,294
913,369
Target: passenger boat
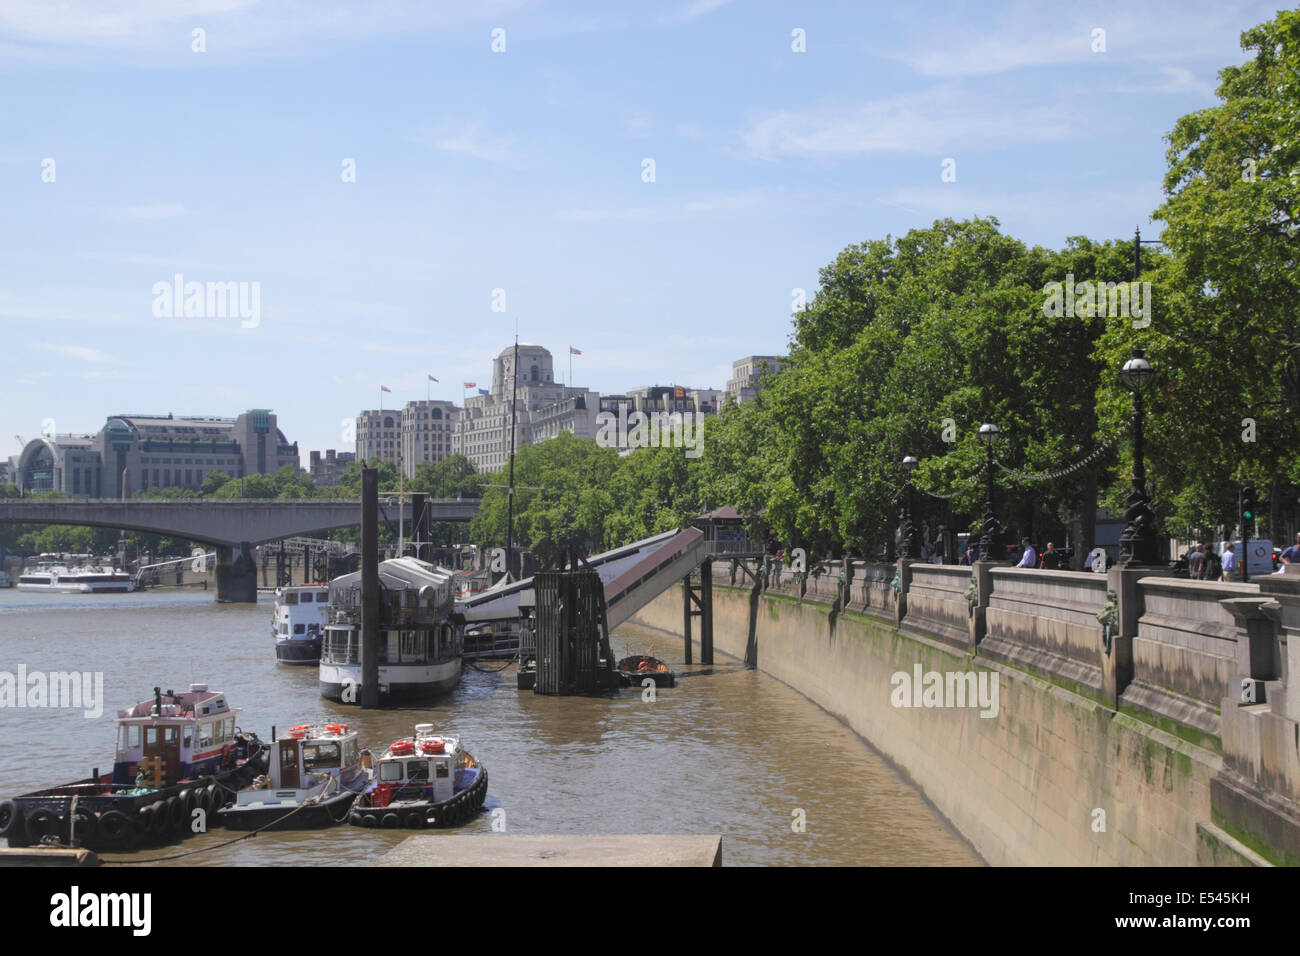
638,667
298,623
315,775
176,753
60,579
421,638
427,780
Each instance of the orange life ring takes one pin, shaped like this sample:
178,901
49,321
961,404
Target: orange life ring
337,728
401,747
433,747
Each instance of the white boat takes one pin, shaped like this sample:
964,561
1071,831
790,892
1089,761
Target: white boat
298,623
428,780
420,640
314,775
60,579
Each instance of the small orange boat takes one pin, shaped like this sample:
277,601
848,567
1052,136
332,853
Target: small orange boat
638,667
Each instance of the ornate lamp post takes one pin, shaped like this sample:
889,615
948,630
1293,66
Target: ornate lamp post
991,532
1138,545
909,545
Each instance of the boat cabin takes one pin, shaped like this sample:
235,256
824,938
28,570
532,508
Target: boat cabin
175,737
419,768
307,754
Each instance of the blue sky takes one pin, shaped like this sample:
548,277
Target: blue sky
523,171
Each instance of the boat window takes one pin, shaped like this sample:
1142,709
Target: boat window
390,770
133,736
300,628
230,728
417,770
205,735
169,736
187,739
442,770
291,597
320,755
284,628
151,736
305,597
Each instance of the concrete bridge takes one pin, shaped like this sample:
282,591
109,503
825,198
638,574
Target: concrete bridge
231,526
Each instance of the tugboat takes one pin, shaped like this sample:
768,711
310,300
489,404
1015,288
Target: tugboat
422,781
298,623
421,637
176,753
315,775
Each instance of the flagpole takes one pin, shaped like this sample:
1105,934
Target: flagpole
570,366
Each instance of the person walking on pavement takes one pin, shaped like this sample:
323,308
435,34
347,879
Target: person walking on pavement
1229,562
1196,562
1030,558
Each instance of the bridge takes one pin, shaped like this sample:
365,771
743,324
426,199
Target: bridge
232,526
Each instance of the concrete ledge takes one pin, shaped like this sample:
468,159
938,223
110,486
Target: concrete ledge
47,856
500,849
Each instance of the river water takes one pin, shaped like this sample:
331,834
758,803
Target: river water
728,750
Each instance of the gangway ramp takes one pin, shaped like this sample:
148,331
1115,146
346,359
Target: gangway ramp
633,576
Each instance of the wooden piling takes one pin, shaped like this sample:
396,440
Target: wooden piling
369,587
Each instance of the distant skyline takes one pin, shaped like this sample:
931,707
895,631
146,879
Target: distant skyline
525,171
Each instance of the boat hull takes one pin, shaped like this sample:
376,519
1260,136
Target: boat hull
397,684
315,816
298,651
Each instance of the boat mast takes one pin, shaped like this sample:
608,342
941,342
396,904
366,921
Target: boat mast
510,508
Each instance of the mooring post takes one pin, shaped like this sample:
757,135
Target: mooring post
686,615
369,587
706,612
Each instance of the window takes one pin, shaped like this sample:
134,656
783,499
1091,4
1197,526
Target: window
290,597
305,597
390,770
207,732
320,755
417,770
133,736
300,628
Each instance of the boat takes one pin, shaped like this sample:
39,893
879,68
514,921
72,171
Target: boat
421,638
176,754
526,676
298,623
636,668
427,780
60,579
315,773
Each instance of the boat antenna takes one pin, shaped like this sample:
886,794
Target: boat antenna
510,507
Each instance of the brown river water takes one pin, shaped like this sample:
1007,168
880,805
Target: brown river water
728,750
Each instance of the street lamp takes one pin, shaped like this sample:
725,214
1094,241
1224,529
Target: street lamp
1138,545
908,545
991,533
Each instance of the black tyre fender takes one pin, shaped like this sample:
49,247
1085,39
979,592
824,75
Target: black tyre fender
175,813
116,827
369,820
390,821
11,818
414,819
215,796
43,823
84,824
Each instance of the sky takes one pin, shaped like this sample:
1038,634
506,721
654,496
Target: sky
405,185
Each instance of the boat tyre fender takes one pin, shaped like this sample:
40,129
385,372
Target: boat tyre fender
115,827
84,825
175,813
189,797
203,800
390,821
43,823
216,797
414,820
11,818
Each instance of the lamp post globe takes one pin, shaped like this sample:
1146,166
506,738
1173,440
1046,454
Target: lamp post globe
909,545
990,531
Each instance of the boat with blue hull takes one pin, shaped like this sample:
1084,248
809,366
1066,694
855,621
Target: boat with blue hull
419,782
298,623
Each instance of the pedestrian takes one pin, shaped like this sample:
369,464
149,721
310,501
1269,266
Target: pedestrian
1292,554
1196,562
1213,566
1051,560
1229,562
1030,558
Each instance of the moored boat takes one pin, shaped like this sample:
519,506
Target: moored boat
314,776
298,623
638,667
176,753
427,780
58,579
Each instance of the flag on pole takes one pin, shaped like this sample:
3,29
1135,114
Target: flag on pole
573,351
484,391
471,385
432,379
384,388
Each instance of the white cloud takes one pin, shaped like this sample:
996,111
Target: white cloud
79,352
674,210
473,141
699,8
938,121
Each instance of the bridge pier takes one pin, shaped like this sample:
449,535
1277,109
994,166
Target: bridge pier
697,601
236,574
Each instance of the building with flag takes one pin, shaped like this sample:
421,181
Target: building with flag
426,433
545,408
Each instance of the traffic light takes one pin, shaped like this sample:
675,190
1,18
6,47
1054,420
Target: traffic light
1248,501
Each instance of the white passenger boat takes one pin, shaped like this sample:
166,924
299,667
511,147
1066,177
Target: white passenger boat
298,623
421,639
63,580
